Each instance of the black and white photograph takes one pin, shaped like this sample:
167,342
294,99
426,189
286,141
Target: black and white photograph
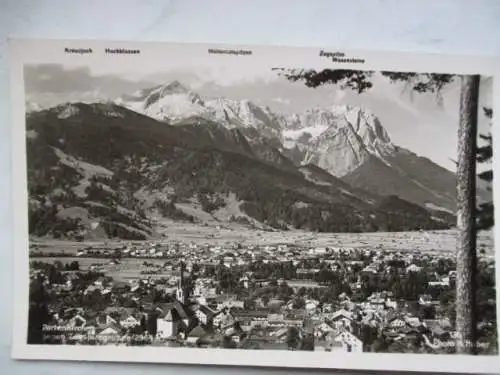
225,201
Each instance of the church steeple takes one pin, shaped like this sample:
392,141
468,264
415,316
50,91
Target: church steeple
183,267
180,288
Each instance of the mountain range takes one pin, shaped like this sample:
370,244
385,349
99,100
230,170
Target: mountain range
343,140
111,169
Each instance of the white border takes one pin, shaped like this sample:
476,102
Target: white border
24,51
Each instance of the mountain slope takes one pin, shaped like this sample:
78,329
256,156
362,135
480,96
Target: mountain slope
242,140
352,144
381,178
103,170
347,141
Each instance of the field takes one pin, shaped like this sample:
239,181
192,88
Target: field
436,242
431,241
127,269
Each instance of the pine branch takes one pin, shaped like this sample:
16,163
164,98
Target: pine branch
485,216
484,154
488,112
486,175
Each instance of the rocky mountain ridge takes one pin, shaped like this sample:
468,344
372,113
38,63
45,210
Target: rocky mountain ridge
104,170
347,141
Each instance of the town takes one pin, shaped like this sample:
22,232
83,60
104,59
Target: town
283,296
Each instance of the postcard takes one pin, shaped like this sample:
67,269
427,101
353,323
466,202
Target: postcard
254,206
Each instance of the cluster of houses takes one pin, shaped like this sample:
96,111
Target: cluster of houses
198,314
201,321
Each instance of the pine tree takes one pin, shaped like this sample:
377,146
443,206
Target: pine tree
466,320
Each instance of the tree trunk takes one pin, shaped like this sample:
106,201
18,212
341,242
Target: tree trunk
466,323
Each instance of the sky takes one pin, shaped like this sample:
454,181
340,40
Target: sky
423,123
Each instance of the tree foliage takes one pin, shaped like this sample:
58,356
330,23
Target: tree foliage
359,80
485,215
38,311
293,338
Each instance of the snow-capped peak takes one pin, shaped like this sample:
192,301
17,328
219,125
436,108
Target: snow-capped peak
339,138
170,101
244,113
175,86
364,124
336,138
161,91
175,102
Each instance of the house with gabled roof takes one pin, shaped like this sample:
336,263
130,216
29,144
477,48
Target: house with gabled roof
131,321
413,322
176,320
225,318
205,314
344,341
105,319
235,332
395,322
111,333
77,321
323,329
196,334
342,319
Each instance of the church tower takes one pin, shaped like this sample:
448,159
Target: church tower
180,288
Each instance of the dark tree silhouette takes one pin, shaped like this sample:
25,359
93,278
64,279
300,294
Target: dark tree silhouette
38,311
485,216
227,343
293,338
152,325
308,343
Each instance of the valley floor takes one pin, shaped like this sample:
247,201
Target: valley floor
211,234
